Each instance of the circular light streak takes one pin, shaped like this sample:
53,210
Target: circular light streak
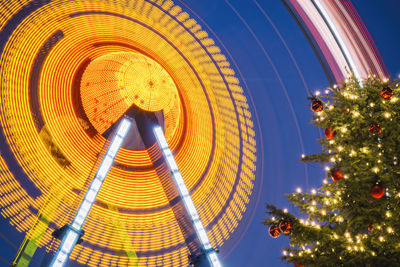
51,140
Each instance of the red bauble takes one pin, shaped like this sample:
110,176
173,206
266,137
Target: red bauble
337,175
274,231
386,93
329,133
375,128
286,227
298,265
317,105
370,227
377,191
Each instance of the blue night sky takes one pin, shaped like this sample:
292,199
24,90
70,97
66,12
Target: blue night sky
279,92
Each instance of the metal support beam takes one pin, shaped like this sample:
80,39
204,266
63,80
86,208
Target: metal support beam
187,200
73,232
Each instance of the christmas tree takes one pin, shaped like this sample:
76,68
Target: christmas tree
353,219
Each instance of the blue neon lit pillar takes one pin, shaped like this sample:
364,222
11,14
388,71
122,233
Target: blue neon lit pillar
72,233
187,200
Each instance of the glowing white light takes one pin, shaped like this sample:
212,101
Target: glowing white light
161,141
124,127
70,240
313,191
91,196
78,222
96,184
213,258
115,145
104,167
171,163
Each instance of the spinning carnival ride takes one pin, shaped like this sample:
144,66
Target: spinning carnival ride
122,119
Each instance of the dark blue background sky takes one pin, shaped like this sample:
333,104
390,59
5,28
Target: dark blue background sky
279,95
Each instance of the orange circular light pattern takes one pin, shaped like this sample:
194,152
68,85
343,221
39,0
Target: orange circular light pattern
114,82
51,140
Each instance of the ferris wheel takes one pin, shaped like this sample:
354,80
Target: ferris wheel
128,139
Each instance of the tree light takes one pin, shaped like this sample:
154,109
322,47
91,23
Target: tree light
313,191
298,190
